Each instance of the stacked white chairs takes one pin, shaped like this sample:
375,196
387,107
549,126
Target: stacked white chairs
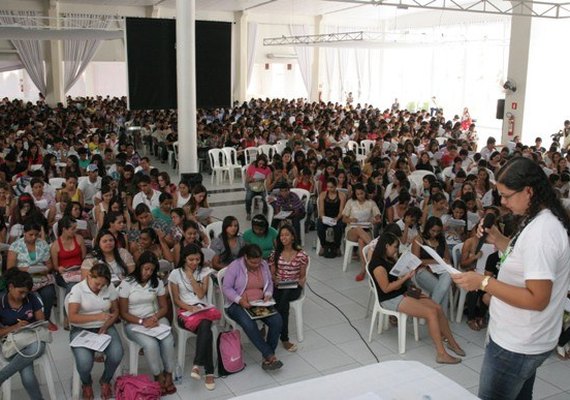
218,165
382,314
232,163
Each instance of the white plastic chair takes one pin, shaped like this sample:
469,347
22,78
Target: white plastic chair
57,183
46,366
218,165
305,196
182,335
268,150
348,246
165,265
297,306
281,145
255,198
352,145
173,155
232,163
382,313
60,295
214,229
250,154
372,289
366,147
416,179
456,257
134,349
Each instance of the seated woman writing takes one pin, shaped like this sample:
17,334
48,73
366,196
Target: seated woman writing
92,305
18,308
392,296
248,279
188,288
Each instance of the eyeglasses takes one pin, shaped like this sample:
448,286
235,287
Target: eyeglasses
508,196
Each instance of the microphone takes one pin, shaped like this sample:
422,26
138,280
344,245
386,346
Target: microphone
488,222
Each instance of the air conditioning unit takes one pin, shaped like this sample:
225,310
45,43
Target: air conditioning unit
276,56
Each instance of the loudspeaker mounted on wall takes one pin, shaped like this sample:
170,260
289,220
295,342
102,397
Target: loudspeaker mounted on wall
289,67
266,66
500,108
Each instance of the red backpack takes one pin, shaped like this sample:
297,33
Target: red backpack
136,387
230,353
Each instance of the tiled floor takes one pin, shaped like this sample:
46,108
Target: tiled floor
331,344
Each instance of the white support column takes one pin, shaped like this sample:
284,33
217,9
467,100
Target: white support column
518,70
152,12
186,86
316,67
54,61
242,20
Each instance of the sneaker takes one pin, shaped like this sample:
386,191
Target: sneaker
359,277
248,217
210,384
52,327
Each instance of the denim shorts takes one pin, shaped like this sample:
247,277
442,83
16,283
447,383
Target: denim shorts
392,304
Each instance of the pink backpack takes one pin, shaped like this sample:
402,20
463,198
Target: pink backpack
136,387
230,353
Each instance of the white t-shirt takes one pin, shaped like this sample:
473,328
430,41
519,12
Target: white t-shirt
89,189
91,303
187,295
143,300
542,252
153,203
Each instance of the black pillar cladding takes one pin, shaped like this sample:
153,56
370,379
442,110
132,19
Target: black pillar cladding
151,63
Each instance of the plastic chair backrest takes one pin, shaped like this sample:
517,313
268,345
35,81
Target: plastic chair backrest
231,155
250,154
214,229
304,195
217,158
352,145
456,255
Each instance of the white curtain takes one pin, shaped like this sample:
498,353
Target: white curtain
7,66
362,61
329,60
251,49
344,72
304,55
30,51
77,54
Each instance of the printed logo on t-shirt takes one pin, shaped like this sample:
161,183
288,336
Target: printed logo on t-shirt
29,314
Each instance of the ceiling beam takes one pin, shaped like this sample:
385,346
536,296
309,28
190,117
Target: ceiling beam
526,8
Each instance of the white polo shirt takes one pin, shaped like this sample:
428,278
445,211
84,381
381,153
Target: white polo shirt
90,302
542,252
178,277
143,300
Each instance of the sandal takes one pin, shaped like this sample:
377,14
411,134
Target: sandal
451,360
169,387
87,392
473,325
457,350
106,391
272,364
292,347
209,383
195,374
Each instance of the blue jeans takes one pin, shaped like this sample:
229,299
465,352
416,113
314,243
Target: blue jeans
155,350
249,195
437,285
47,296
274,322
25,366
84,357
506,375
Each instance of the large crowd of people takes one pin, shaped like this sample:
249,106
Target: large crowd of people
81,209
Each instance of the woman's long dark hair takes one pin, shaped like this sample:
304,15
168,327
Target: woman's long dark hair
226,255
147,257
188,251
98,254
430,223
279,246
521,172
379,254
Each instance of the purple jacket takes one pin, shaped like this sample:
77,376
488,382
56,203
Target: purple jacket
235,281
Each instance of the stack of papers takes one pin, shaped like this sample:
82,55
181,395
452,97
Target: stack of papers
203,213
441,266
160,332
455,223
37,269
91,341
202,307
406,263
282,215
329,221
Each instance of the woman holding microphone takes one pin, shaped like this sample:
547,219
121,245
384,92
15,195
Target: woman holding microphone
529,292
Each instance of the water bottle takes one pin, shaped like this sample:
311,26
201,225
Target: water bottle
178,374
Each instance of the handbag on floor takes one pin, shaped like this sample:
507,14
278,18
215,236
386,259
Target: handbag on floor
230,353
136,387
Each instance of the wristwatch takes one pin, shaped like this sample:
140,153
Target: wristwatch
484,283
140,321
